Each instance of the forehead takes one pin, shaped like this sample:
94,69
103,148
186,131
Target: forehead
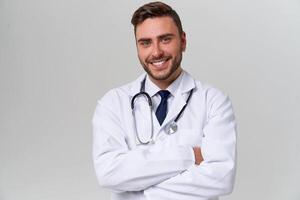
154,27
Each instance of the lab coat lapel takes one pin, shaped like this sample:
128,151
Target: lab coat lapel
181,96
175,108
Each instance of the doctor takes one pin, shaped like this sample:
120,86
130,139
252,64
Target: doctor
165,135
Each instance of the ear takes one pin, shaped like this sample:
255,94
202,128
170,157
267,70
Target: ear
183,41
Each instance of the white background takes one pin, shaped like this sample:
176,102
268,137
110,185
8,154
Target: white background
57,57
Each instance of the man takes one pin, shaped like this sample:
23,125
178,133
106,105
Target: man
190,151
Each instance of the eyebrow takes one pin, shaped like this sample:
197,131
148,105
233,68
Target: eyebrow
160,37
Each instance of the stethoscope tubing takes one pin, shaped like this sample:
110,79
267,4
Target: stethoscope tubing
133,113
149,100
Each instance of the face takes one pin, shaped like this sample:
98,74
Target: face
160,48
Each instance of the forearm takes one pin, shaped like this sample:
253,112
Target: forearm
209,179
215,174
139,169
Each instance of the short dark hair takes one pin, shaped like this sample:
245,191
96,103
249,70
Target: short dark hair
155,9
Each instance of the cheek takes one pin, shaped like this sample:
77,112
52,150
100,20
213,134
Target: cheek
142,54
173,48
178,48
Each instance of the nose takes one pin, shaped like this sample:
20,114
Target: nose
157,52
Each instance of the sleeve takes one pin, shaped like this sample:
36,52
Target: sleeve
215,175
122,169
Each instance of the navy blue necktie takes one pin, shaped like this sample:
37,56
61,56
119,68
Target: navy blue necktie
161,111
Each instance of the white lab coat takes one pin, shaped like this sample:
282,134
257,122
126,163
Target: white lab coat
166,170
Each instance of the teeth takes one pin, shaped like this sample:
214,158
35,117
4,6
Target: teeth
158,63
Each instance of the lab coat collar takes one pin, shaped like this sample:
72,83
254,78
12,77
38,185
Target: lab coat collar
186,83
135,86
150,87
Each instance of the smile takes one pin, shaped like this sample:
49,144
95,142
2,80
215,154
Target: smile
159,63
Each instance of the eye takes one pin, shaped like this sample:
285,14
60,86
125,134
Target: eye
145,43
166,40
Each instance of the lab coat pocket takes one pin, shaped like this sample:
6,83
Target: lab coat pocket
190,137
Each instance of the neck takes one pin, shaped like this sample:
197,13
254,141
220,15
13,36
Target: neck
163,84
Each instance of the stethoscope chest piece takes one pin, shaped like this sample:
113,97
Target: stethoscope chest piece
172,128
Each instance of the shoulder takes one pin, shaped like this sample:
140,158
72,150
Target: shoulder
113,96
214,98
121,93
209,90
201,88
112,103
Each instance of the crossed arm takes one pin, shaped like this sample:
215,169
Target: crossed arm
205,172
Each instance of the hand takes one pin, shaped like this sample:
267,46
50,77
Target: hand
198,155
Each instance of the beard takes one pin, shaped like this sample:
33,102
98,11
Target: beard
175,64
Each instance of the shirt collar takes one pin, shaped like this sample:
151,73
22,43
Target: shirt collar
152,89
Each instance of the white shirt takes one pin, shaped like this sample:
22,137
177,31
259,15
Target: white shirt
166,169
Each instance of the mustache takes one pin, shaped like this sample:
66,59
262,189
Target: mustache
158,59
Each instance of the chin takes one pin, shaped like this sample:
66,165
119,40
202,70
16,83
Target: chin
163,75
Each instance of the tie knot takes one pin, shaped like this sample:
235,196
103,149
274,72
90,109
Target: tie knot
164,94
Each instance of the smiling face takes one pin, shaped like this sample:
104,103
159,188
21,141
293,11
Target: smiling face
160,47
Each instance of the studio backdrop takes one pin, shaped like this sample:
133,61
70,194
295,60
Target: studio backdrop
58,57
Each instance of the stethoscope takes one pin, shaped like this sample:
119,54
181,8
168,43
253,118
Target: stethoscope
172,128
